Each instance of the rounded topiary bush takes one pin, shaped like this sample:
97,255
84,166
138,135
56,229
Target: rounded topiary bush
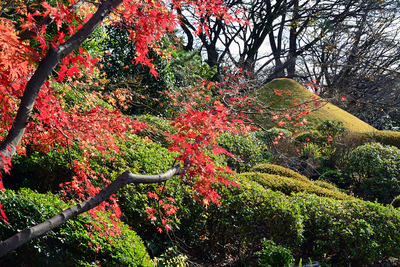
81,241
233,231
373,172
332,128
274,255
246,150
289,185
396,202
349,232
327,185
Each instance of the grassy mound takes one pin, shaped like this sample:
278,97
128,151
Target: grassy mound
302,95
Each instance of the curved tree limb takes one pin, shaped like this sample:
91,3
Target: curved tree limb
125,178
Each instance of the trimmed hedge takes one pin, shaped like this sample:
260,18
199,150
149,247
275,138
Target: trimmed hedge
233,231
373,171
349,232
384,137
289,185
72,244
281,171
247,150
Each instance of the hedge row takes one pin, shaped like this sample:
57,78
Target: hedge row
289,186
348,232
281,171
384,137
338,232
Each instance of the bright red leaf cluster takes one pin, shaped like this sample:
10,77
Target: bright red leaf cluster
24,43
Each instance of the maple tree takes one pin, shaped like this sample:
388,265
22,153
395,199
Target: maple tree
41,50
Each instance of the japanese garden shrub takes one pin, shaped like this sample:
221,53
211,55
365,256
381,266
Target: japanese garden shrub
267,136
348,232
332,128
310,136
288,185
396,202
142,156
156,128
274,255
373,172
40,171
72,244
279,170
235,228
327,185
246,150
391,138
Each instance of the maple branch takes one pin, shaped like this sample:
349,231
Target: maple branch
125,178
45,22
53,57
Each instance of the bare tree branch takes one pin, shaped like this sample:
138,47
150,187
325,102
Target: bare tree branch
127,177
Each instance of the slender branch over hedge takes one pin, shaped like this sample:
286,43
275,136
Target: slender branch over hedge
125,178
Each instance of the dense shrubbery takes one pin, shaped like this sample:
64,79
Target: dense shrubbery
324,227
52,168
331,128
338,232
235,228
373,172
274,255
349,233
384,137
81,241
246,150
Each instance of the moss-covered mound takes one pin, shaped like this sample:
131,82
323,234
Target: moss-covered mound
291,90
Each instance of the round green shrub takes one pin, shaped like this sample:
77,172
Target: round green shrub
289,185
310,136
396,202
333,128
349,232
247,150
274,255
72,244
373,171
